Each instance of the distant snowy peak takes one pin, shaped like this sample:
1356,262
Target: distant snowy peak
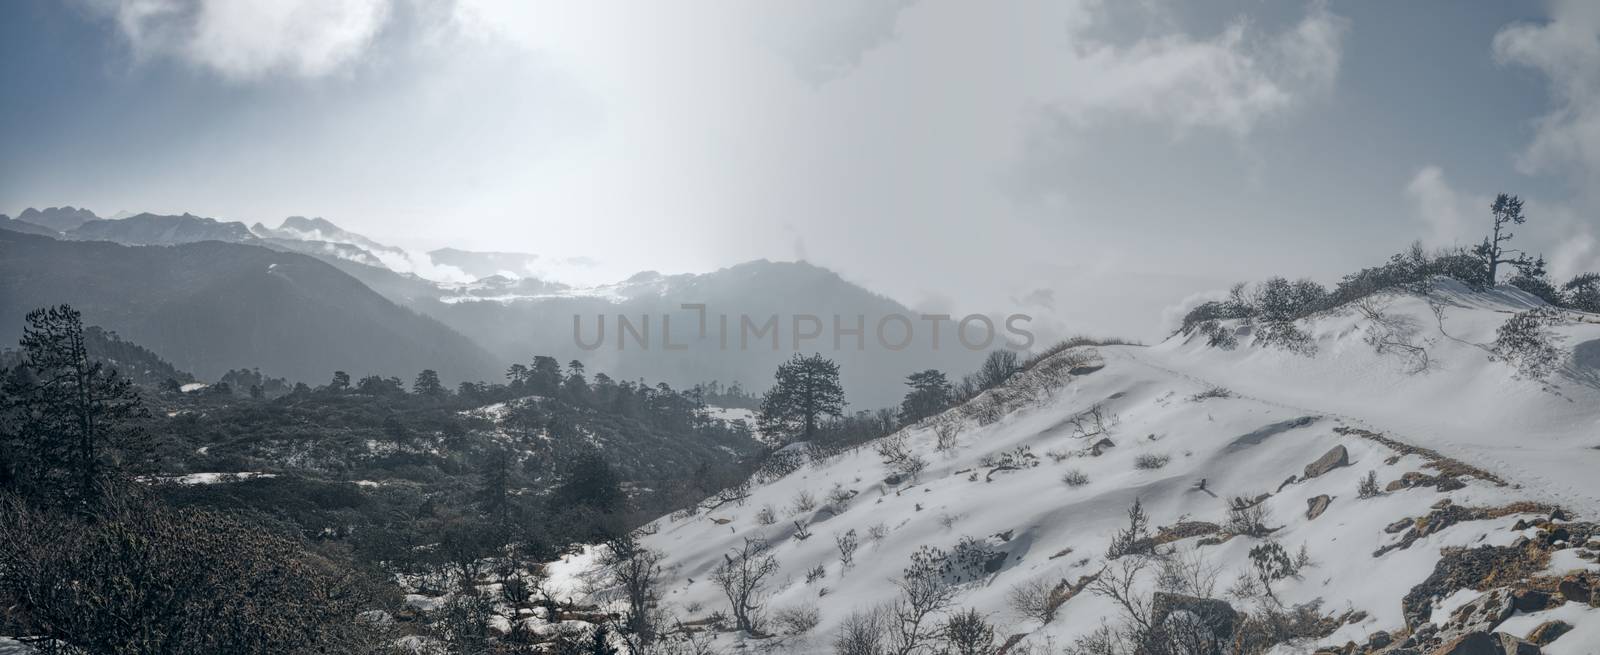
60,219
330,240
158,230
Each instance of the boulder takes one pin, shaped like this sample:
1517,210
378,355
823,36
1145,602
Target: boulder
1486,643
1333,459
1531,600
1316,506
1548,632
1216,614
1101,446
1485,612
1580,587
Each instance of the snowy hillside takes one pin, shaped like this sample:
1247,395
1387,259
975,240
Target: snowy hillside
1225,450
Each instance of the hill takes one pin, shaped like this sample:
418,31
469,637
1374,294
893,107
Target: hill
1249,464
212,306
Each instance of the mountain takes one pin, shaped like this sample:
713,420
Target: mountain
1283,500
14,225
513,318
487,264
131,361
156,230
320,229
60,219
212,306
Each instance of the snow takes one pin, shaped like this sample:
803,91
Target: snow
216,478
193,386
1540,437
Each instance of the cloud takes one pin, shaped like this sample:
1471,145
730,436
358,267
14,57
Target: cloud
1439,207
1566,49
1229,81
241,40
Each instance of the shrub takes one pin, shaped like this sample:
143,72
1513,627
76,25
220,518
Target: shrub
145,577
967,633
803,501
862,633
1037,599
1213,392
1075,478
1369,486
1247,518
797,620
1523,342
1151,461
767,516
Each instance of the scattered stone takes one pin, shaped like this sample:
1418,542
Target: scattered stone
1484,613
1531,600
1548,632
1581,587
1316,506
1333,459
1486,643
1214,613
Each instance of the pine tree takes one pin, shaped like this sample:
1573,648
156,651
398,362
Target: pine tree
930,393
807,390
428,384
71,426
1507,211
601,643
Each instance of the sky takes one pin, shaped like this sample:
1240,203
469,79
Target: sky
1097,164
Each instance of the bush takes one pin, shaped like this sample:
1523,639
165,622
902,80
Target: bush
1369,486
1151,461
1523,342
1075,478
1037,598
797,620
1247,518
145,577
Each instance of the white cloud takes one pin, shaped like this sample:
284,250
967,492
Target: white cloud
1438,205
1229,81
244,40
1566,49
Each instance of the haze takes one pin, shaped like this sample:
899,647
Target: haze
1091,163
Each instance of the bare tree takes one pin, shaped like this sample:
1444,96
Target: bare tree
1396,335
635,570
924,591
967,633
862,633
742,576
847,543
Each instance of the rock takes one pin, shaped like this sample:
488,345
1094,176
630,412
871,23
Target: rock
1217,614
1101,446
1333,459
1444,484
1559,514
1513,646
1395,486
1485,612
1380,639
1548,632
1486,643
1287,481
1316,506
1530,600
1399,526
894,479
1580,588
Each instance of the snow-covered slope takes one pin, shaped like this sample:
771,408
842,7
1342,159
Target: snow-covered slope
1470,455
